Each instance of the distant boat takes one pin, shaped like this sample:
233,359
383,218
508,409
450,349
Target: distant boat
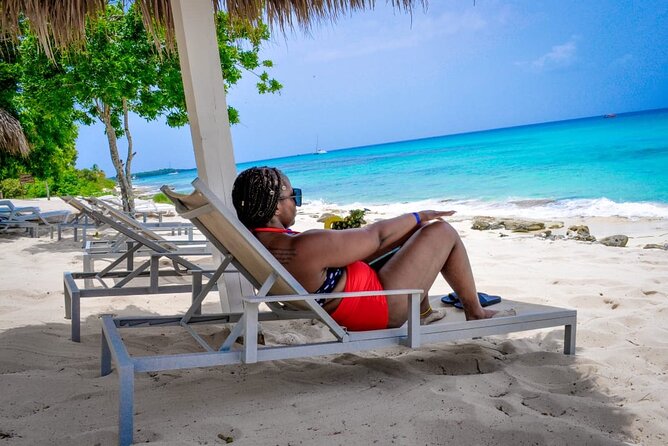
611,115
319,151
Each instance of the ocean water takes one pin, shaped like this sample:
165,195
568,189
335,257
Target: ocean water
584,167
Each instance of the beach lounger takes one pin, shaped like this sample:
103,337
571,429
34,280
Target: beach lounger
85,220
276,287
29,217
126,248
139,241
175,227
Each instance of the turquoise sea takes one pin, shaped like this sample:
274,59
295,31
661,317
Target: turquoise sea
591,167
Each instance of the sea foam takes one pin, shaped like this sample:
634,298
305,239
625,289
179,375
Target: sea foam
567,208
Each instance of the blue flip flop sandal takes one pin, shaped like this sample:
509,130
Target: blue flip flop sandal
450,299
484,298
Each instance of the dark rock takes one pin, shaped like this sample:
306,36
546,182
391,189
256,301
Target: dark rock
485,223
581,233
523,225
619,240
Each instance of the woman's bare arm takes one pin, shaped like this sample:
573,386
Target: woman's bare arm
340,248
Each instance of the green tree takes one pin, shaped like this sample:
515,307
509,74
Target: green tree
31,89
119,71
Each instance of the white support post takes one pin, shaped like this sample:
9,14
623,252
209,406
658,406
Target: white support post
413,340
207,112
249,355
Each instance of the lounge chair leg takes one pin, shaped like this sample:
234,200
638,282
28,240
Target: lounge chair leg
154,274
250,335
414,321
88,268
68,303
105,357
569,339
126,376
76,317
131,257
197,288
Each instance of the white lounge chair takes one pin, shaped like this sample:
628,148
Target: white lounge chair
134,241
29,217
275,287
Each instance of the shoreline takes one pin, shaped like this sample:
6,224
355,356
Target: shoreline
640,230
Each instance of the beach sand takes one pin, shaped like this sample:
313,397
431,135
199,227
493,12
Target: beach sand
518,389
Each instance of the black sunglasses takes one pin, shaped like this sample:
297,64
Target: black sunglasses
296,195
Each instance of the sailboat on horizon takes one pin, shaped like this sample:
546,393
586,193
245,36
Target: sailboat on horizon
319,151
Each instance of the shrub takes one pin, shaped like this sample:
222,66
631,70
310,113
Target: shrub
82,182
11,188
69,182
36,189
161,198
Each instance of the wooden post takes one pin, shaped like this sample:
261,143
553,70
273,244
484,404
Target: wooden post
207,112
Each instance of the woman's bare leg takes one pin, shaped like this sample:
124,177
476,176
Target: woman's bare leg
434,248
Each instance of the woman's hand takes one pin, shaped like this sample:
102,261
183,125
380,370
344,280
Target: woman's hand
426,216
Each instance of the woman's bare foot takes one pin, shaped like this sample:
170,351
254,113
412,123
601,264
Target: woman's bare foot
435,315
480,313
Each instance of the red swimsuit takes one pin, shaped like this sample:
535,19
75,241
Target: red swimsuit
362,313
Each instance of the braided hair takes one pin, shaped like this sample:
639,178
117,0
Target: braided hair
255,195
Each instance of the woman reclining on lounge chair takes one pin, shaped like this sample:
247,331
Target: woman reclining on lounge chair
326,261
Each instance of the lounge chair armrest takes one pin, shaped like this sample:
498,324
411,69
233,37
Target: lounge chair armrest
293,297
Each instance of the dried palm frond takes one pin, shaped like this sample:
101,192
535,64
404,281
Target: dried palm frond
55,22
62,22
12,138
304,13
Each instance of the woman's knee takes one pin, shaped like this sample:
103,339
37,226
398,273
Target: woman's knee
440,231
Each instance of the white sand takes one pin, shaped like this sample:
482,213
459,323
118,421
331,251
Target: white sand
516,389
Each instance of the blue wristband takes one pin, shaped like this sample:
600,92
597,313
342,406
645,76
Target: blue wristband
417,218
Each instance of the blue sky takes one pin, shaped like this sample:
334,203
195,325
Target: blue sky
381,75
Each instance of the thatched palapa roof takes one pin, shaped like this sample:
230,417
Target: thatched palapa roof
61,23
12,138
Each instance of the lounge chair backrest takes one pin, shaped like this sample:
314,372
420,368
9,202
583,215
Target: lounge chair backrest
75,203
130,222
9,211
222,227
144,236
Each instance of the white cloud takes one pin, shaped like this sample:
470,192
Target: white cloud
559,56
